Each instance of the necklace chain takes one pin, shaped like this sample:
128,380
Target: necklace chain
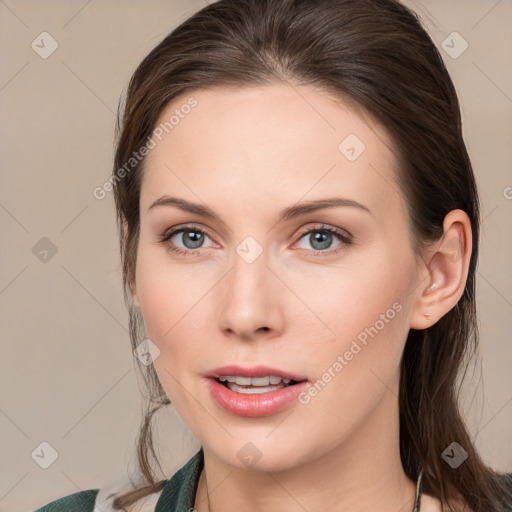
207,492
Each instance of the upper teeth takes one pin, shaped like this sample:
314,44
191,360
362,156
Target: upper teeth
254,381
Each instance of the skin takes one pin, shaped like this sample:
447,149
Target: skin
249,153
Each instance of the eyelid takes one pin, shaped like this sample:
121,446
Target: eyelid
173,231
184,227
344,236
343,233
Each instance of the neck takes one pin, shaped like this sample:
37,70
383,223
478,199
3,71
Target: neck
361,474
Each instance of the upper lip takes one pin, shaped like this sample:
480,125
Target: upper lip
253,371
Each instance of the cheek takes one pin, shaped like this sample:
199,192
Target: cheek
364,317
173,305
348,301
171,298
354,370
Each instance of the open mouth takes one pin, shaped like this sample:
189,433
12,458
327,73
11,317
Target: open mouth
254,385
255,391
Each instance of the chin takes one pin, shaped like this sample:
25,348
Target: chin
260,454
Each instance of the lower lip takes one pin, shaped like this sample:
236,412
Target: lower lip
255,405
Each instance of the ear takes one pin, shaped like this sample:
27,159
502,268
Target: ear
445,271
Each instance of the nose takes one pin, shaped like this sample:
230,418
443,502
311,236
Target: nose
251,302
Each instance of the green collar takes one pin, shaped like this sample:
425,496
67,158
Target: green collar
178,494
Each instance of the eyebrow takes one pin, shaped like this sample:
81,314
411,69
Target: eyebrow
287,214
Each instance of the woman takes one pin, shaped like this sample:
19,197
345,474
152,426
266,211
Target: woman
299,226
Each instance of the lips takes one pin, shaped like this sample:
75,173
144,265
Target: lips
254,391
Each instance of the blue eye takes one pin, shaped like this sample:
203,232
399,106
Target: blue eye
193,237
321,237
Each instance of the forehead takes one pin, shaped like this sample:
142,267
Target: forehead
275,141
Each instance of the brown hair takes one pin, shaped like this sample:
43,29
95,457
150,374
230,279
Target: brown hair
375,54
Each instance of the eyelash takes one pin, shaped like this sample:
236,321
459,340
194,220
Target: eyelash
346,240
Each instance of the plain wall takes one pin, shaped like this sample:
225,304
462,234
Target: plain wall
67,371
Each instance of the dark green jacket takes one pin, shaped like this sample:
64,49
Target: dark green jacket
178,495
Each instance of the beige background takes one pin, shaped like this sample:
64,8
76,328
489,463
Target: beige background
67,374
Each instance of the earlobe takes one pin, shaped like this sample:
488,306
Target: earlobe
447,268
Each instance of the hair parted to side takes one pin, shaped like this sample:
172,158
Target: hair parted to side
376,55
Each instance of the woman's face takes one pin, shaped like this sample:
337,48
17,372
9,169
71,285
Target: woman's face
253,287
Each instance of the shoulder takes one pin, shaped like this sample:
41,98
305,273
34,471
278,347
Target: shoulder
82,501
